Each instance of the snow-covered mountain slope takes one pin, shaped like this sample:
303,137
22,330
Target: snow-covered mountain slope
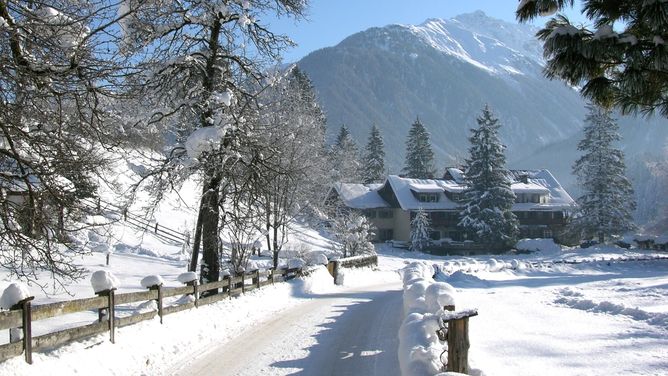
444,71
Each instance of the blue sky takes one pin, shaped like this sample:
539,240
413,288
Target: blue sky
330,21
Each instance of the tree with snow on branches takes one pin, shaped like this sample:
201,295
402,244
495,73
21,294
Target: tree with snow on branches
607,203
420,229
489,198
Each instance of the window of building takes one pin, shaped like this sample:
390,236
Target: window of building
384,234
435,235
370,213
547,233
427,197
385,213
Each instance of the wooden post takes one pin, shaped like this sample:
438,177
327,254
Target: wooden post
111,302
155,230
271,275
257,278
229,286
26,328
195,291
458,341
112,315
243,282
160,302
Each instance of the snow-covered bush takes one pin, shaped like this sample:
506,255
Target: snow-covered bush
13,294
103,280
424,299
296,263
353,231
316,258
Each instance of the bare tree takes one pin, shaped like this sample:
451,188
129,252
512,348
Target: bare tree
203,64
59,72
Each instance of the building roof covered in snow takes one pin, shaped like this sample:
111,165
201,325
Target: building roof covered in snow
445,194
359,196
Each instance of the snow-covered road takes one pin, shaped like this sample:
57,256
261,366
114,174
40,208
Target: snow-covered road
350,332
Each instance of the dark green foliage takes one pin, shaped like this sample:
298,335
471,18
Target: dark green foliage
487,215
373,163
624,68
606,205
419,162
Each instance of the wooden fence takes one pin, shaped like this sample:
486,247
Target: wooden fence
20,318
350,262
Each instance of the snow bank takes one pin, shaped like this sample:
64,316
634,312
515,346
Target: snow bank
152,280
538,245
102,280
317,258
13,294
420,348
296,263
319,281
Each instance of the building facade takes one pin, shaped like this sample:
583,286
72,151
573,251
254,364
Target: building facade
542,206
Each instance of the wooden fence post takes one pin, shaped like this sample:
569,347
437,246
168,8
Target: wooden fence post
195,292
243,282
229,286
458,341
26,328
110,311
159,289
257,278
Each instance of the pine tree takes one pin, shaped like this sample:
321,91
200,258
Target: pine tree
420,229
606,205
373,165
625,68
489,198
419,156
344,158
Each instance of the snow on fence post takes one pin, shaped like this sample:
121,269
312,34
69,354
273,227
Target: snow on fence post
104,284
190,279
16,296
155,282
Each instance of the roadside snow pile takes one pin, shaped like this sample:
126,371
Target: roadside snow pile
546,246
296,263
317,258
102,280
318,281
13,294
419,346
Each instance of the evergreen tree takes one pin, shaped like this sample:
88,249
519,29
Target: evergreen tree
625,68
420,229
419,156
489,198
344,158
606,205
373,166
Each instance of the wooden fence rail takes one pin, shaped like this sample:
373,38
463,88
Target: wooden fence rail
20,318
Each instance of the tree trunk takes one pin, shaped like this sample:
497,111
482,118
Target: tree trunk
210,270
601,237
275,250
194,258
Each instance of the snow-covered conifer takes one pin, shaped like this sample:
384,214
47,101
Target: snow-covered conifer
373,164
344,158
419,162
607,203
420,231
487,214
